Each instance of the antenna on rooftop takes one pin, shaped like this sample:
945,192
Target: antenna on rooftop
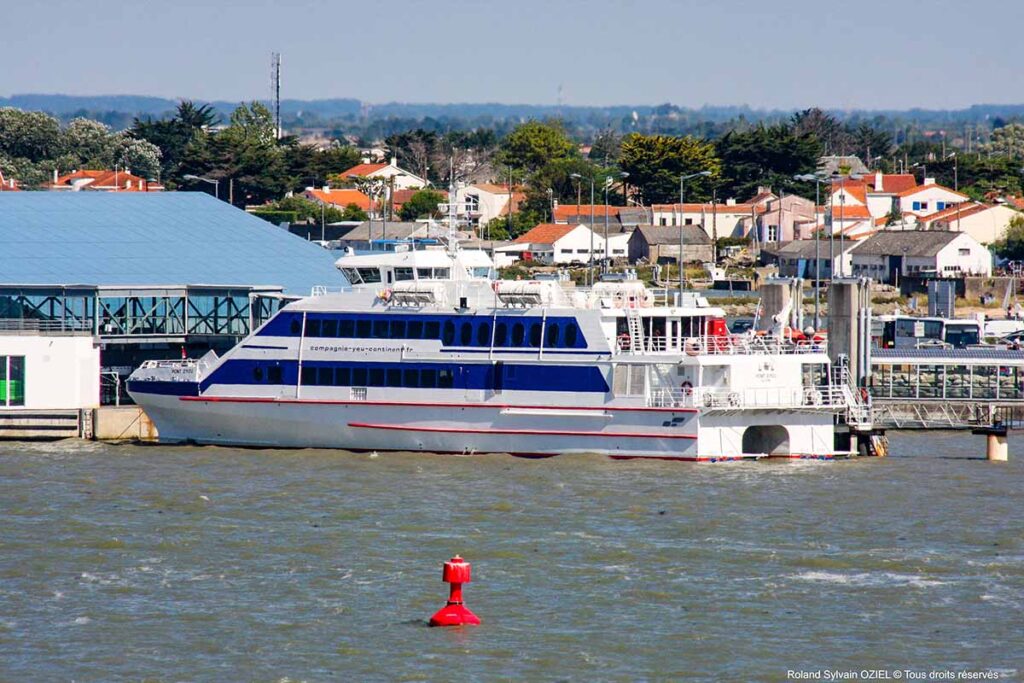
275,90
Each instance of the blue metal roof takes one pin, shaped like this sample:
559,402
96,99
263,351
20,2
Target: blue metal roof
947,355
150,238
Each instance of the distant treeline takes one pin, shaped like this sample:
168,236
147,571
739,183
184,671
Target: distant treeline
346,116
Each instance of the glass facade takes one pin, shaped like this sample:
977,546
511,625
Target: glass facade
142,312
950,381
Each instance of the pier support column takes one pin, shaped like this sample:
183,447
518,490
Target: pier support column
997,448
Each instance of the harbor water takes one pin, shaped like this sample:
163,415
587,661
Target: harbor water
129,562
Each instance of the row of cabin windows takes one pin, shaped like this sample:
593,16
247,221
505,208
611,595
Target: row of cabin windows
409,378
461,332
271,375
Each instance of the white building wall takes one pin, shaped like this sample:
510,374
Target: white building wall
879,205
403,180
964,255
985,226
61,372
930,197
575,246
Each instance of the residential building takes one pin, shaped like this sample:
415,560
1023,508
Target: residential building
103,181
480,203
402,179
890,256
929,198
986,223
340,198
660,244
804,258
556,243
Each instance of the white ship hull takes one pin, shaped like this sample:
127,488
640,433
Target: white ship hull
682,434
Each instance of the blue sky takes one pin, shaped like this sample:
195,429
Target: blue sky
781,54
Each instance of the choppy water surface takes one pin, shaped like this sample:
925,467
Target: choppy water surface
166,563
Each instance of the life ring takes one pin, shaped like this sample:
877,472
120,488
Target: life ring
693,347
624,341
687,387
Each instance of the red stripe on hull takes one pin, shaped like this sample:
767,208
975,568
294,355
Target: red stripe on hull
518,432
411,404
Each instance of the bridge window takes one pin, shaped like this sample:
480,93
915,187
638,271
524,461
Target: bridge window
403,274
552,335
571,335
483,334
369,275
535,335
518,333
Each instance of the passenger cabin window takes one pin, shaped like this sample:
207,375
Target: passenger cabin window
571,334
369,275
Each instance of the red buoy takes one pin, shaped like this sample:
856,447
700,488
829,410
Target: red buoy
456,572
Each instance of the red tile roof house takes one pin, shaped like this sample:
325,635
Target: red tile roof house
403,180
551,243
103,181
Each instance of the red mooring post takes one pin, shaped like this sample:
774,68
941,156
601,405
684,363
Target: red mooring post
456,572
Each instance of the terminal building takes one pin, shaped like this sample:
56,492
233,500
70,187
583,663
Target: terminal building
92,284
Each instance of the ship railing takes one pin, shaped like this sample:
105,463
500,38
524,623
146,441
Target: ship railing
183,370
824,396
722,345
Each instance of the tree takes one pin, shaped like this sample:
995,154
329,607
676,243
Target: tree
91,144
29,135
422,204
141,157
177,137
533,144
606,148
247,151
1008,141
767,156
1011,246
834,138
655,164
895,216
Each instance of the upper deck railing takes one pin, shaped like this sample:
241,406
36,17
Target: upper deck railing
727,345
824,396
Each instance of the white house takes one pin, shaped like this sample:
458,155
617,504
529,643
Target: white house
480,203
929,198
403,180
890,255
554,243
986,223
44,372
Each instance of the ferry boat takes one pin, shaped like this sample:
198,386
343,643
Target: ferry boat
427,351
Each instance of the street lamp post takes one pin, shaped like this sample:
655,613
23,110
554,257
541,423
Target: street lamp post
682,212
579,180
810,177
607,185
213,181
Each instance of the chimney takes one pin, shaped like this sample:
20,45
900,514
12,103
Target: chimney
929,181
327,188
878,181
394,161
731,201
